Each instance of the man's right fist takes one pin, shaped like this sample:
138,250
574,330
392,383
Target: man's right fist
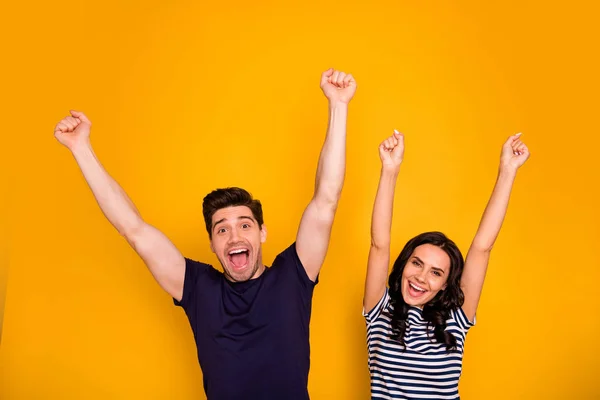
338,86
74,130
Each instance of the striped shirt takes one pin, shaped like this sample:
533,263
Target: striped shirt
421,370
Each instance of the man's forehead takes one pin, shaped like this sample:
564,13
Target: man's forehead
232,213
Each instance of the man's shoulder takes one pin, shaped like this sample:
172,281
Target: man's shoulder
288,256
200,268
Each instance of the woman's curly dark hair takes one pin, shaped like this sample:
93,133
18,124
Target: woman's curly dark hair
436,311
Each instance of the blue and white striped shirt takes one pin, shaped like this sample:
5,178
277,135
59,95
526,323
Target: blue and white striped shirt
421,370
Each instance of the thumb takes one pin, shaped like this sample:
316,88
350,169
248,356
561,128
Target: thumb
328,72
326,75
512,138
81,116
398,150
399,137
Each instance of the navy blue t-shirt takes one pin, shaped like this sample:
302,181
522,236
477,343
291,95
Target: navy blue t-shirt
251,337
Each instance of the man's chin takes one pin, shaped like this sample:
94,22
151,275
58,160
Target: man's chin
237,277
241,276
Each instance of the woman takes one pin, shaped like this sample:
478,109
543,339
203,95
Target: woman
416,325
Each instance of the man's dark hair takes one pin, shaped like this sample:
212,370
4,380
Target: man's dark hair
229,197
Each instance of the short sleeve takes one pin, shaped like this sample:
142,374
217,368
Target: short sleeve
379,307
193,271
288,259
461,319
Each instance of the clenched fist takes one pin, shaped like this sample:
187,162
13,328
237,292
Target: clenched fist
74,130
338,86
391,151
514,153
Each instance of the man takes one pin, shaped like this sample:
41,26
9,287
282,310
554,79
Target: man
250,322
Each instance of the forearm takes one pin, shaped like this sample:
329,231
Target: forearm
332,161
494,214
381,221
113,201
381,224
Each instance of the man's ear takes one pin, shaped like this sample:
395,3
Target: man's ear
263,233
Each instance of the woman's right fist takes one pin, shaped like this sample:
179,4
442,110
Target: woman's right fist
391,150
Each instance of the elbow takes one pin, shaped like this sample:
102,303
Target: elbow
131,229
329,191
328,199
482,246
379,244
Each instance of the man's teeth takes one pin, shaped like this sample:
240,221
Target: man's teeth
416,288
237,251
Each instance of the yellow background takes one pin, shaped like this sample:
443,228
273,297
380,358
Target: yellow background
187,96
